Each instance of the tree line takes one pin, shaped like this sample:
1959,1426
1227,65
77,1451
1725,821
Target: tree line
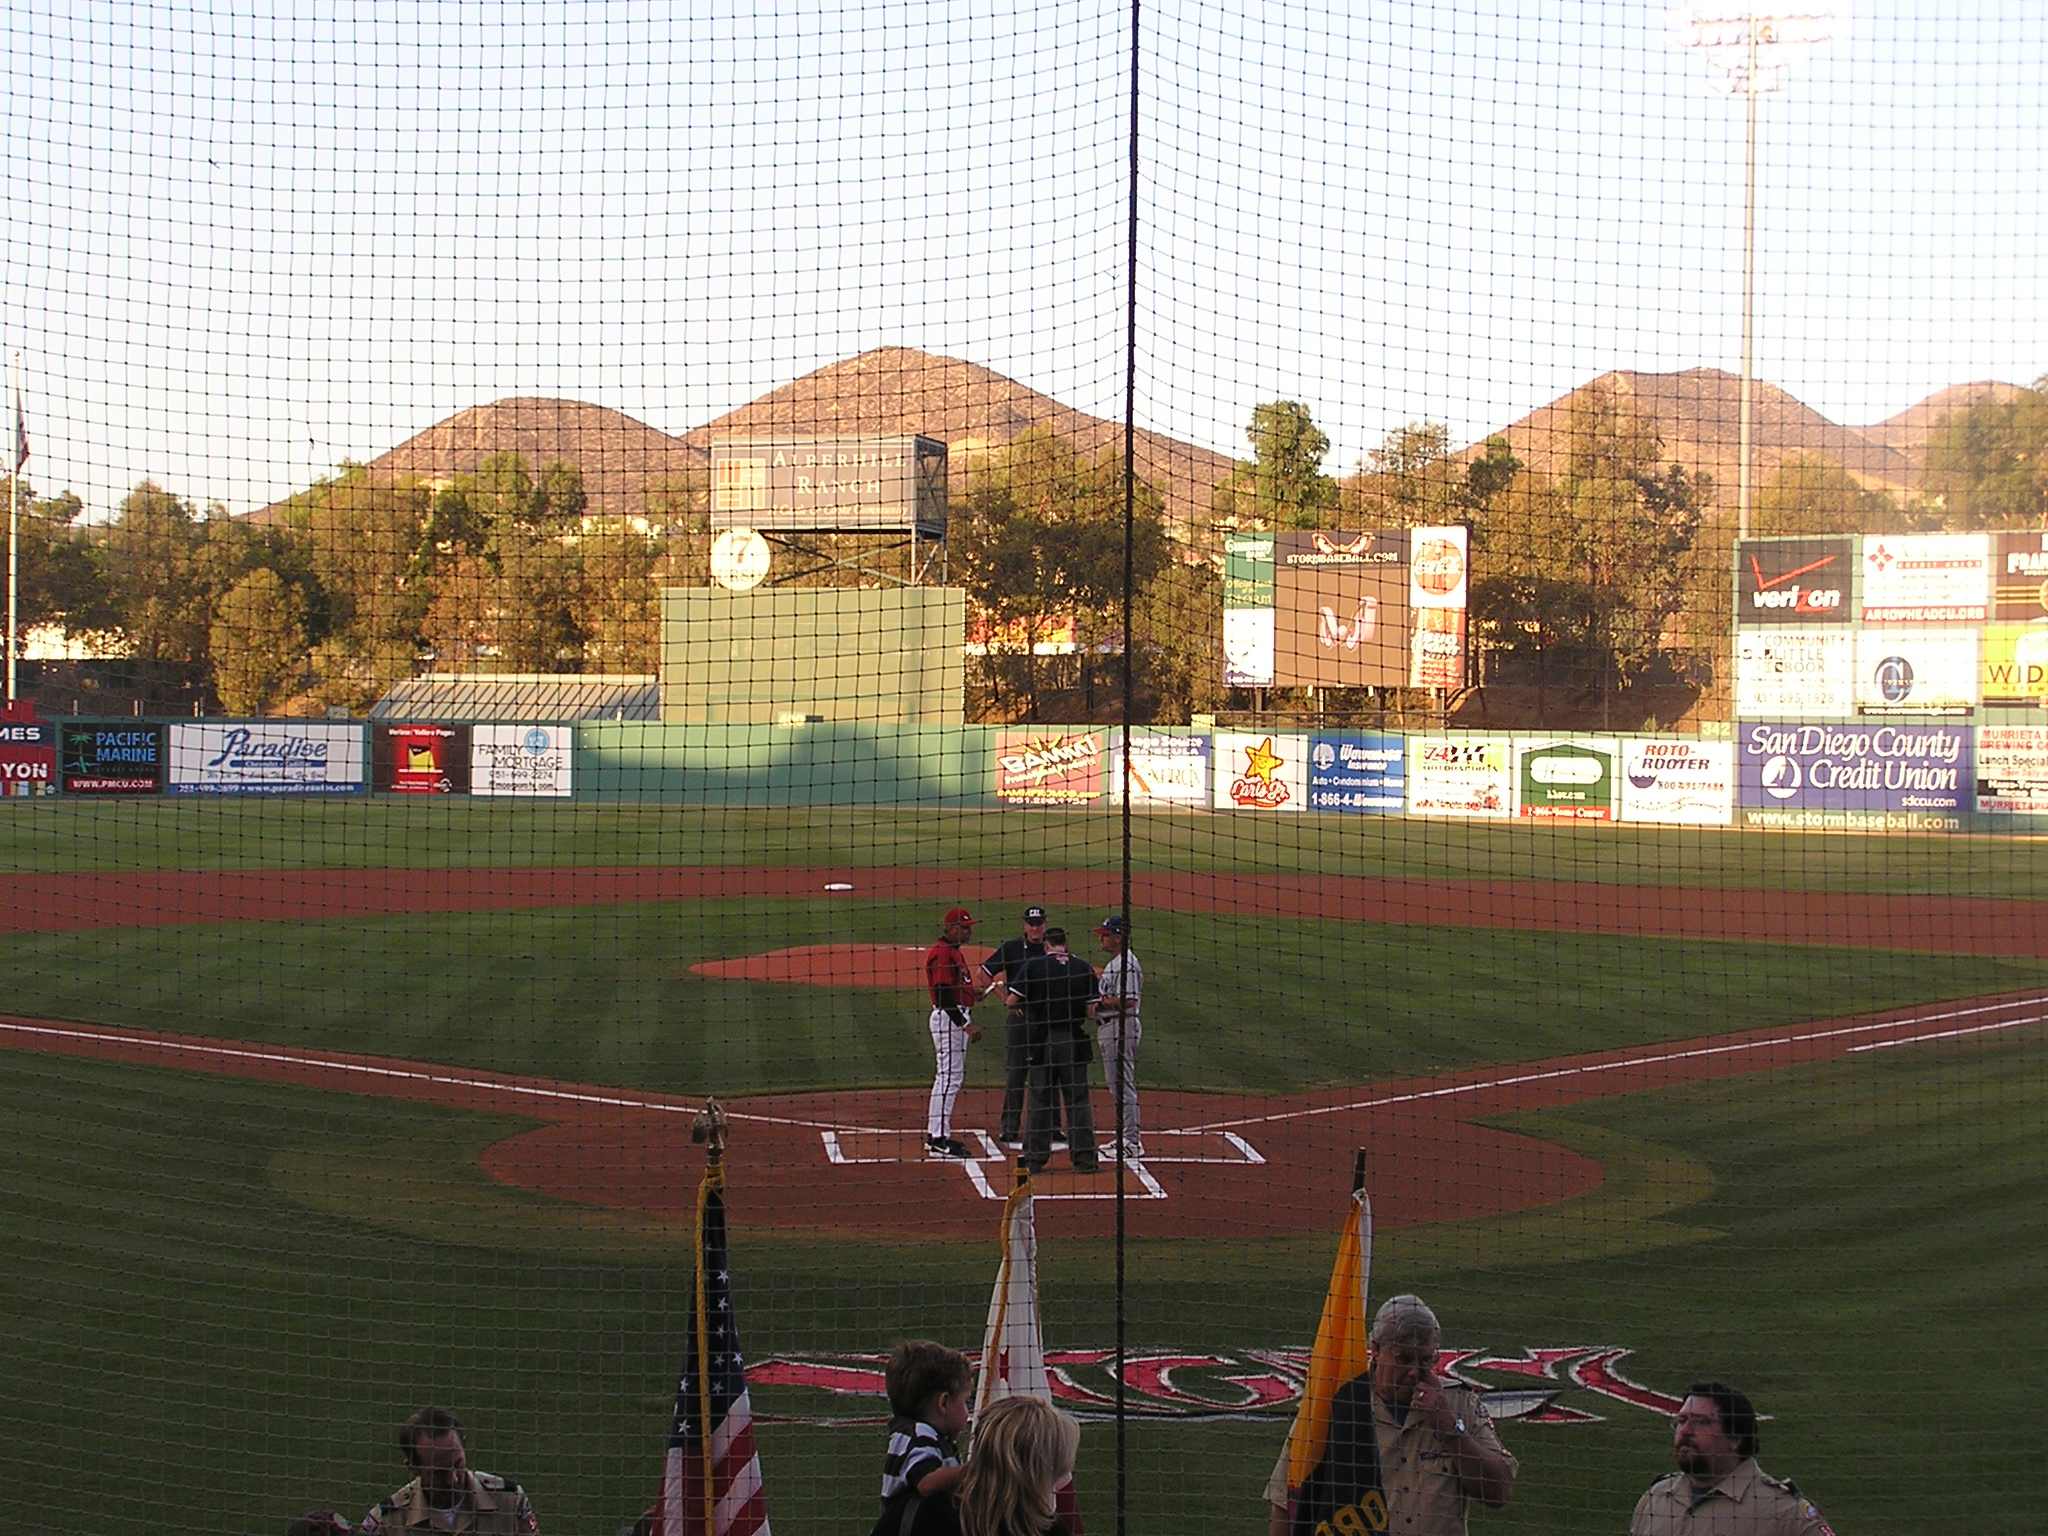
1597,575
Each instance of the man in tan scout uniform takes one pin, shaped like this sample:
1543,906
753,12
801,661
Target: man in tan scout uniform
1438,1449
1718,1489
444,1495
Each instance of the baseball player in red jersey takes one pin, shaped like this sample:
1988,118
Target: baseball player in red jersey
953,993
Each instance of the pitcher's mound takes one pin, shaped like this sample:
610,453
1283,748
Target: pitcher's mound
836,965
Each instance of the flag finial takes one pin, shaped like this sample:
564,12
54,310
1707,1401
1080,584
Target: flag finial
709,1130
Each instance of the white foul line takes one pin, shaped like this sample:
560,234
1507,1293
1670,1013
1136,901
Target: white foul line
1644,1059
1947,1034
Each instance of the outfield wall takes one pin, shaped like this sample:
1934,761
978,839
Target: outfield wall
1872,775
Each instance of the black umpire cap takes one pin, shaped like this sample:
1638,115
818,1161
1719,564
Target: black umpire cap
1034,914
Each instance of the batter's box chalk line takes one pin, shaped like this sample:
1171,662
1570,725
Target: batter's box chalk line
852,1146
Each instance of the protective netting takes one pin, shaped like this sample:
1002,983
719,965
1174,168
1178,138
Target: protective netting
1497,553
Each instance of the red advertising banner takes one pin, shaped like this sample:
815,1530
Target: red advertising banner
28,752
1049,767
416,759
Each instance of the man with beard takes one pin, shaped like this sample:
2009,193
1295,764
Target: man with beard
444,1495
1718,1489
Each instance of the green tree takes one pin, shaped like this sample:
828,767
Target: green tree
164,568
1588,569
618,600
1988,465
60,579
1811,494
1037,536
1282,485
1177,634
364,543
258,641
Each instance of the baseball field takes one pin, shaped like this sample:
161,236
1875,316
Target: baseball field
315,1112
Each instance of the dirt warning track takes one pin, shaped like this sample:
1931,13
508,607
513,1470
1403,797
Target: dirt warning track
1215,1166
60,902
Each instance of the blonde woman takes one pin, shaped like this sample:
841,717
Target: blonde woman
1023,1449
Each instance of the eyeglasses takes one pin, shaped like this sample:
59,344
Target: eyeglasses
1409,1359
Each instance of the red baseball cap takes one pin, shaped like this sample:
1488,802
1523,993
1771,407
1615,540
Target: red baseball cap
957,915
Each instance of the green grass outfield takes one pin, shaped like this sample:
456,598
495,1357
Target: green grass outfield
271,833
222,1295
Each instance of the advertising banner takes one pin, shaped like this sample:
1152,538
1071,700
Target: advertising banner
1436,649
2012,769
524,760
1802,674
1049,767
28,753
1248,648
1926,578
1682,783
2014,669
266,757
2019,571
1340,603
1924,671
1460,776
1803,774
1565,780
1248,560
1793,581
112,759
419,759
1260,771
1438,567
1358,773
1165,770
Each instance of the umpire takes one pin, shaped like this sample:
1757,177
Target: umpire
997,969
1057,992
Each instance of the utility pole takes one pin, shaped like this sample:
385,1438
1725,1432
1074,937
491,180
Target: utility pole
1749,52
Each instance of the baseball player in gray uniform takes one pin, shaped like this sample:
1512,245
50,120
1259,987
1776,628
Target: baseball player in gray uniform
1117,1030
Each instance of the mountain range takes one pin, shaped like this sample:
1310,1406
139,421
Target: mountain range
896,390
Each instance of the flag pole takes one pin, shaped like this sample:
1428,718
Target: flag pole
709,1130
14,530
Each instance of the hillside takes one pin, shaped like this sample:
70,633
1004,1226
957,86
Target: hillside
970,408
894,390
1699,416
620,457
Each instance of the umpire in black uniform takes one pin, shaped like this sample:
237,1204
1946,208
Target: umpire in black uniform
999,968
1057,992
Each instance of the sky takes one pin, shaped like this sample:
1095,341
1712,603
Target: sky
247,240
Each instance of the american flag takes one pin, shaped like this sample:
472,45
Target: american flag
711,1483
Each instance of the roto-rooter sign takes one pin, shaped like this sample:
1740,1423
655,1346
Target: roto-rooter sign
1798,773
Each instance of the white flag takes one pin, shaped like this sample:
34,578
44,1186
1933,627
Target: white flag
1013,1350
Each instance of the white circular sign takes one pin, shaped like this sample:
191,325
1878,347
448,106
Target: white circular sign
739,559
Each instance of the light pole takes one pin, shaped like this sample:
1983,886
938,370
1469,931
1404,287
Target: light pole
1749,53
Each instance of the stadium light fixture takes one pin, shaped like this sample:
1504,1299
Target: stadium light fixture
1748,54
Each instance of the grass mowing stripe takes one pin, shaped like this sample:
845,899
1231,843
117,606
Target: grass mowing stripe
260,832
604,995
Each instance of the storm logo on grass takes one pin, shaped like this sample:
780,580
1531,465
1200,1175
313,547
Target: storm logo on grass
1258,787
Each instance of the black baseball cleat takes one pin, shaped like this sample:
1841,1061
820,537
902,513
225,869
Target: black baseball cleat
946,1146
